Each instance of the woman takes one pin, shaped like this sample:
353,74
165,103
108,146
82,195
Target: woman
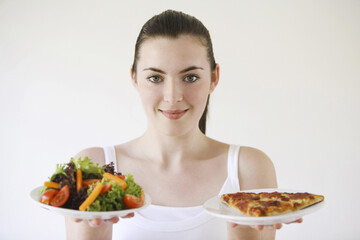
175,72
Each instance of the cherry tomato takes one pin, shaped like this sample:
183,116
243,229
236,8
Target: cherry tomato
121,176
107,187
48,195
88,182
61,197
132,201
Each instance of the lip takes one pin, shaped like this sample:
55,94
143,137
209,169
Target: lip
173,114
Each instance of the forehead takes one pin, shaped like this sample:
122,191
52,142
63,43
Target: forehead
164,51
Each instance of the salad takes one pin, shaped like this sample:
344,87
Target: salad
85,186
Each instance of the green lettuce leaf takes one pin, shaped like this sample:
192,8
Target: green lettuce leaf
59,170
87,167
132,188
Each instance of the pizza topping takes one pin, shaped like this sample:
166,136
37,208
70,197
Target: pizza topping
284,199
271,195
301,195
269,203
242,204
255,198
257,211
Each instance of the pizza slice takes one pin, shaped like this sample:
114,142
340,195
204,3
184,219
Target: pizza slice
269,203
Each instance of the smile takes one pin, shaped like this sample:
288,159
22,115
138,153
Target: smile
173,114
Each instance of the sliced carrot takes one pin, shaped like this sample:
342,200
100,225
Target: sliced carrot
52,185
78,179
116,179
92,197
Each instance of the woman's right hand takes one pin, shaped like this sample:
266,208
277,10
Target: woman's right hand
92,229
97,222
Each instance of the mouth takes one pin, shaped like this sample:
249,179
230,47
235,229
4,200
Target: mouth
173,114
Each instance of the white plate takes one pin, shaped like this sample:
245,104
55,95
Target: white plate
216,207
35,196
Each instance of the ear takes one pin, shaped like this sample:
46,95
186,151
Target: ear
133,77
214,78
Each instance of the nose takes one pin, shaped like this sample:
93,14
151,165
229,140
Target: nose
172,92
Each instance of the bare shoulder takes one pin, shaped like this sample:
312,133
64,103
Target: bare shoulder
96,154
253,158
256,170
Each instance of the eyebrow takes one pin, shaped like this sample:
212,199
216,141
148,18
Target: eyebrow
153,69
182,71
190,69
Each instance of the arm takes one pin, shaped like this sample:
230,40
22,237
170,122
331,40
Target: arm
256,171
96,228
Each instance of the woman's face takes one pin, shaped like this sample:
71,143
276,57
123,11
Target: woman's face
174,80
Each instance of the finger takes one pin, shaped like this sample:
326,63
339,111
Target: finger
278,226
77,220
130,215
112,220
300,220
236,225
95,222
275,226
233,225
258,227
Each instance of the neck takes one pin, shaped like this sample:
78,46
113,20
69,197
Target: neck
172,150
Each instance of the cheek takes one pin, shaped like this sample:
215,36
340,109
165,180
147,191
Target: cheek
197,97
149,98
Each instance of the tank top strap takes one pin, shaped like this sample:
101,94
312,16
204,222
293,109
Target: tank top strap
232,181
110,156
233,165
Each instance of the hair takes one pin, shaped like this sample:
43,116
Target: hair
172,24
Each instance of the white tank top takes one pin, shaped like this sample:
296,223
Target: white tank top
171,223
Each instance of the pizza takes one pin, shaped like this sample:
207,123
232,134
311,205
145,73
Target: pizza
269,203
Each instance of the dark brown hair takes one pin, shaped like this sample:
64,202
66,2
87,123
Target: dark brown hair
172,24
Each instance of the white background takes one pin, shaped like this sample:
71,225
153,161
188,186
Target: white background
290,85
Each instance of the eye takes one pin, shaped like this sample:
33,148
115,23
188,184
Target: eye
155,79
191,78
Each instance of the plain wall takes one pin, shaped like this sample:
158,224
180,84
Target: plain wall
289,85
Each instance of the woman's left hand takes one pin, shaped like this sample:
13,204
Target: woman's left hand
261,227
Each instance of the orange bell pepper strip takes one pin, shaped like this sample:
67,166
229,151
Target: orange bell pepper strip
78,179
92,197
52,185
116,179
